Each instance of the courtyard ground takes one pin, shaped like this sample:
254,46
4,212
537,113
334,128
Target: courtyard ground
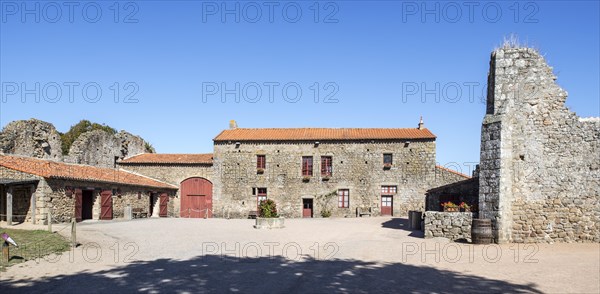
365,255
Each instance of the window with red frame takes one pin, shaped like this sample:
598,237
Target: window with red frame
261,161
343,198
326,165
388,190
261,195
307,166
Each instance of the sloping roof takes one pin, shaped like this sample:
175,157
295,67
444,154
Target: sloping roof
61,170
301,134
452,171
170,158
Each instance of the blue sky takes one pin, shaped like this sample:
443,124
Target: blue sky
176,58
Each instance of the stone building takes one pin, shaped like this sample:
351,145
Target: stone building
189,172
313,172
540,162
30,187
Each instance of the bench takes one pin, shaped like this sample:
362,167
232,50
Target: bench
253,214
138,213
363,211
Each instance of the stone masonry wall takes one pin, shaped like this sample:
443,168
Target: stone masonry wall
50,194
173,174
465,191
99,148
539,177
33,138
452,225
36,138
357,166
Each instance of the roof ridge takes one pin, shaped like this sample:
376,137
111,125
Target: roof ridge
452,171
144,176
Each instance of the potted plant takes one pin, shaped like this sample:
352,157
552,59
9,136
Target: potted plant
260,171
306,179
325,177
464,207
267,216
450,207
387,165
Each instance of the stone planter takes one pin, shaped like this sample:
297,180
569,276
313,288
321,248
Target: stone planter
269,223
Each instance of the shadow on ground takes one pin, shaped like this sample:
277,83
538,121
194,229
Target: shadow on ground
215,273
402,224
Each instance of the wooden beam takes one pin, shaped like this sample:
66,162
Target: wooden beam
9,206
33,204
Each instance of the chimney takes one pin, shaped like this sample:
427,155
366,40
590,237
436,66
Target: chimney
232,124
421,124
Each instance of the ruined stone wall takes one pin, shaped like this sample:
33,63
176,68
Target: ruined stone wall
99,148
40,139
357,166
33,138
452,225
539,178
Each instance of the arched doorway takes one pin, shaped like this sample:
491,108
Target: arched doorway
196,198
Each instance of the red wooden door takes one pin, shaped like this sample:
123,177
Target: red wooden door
387,205
307,208
106,207
196,198
78,204
164,201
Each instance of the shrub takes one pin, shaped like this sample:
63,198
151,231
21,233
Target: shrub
267,209
81,127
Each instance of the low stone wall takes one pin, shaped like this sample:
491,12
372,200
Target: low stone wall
270,223
451,225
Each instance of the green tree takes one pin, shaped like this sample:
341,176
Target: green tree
81,127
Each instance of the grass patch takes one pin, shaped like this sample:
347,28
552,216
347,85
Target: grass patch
33,245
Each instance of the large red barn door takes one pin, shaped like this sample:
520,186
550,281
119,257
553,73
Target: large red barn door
106,207
164,208
78,202
196,198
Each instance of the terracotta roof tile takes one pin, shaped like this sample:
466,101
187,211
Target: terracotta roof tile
300,134
61,170
170,158
452,171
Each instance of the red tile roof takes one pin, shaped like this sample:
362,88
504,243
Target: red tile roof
301,134
61,170
451,171
170,158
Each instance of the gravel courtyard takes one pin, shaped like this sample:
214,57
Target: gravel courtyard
366,255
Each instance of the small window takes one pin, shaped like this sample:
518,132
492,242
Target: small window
343,198
388,190
387,158
326,166
307,166
261,162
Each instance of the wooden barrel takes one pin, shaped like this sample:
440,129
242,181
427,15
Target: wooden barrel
481,231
